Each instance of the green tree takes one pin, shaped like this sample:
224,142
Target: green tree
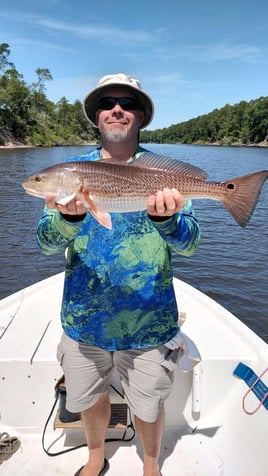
43,74
258,120
4,56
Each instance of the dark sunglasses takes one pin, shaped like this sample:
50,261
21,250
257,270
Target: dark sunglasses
108,103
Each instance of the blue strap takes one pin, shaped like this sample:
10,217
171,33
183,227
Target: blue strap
259,389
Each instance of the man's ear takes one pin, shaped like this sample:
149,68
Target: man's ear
141,117
97,119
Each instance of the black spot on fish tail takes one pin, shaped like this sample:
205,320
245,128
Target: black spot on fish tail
230,186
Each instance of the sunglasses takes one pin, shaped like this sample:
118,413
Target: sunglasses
128,104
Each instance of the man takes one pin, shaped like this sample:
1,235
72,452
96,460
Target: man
119,307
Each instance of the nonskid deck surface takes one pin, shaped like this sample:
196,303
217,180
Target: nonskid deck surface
187,455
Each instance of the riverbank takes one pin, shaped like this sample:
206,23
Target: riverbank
11,145
15,145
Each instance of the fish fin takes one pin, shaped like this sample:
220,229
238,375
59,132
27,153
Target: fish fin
65,200
160,162
89,202
103,218
243,194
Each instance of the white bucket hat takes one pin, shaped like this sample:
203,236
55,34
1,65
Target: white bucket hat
120,79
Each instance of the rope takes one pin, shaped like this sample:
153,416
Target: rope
8,446
252,412
255,384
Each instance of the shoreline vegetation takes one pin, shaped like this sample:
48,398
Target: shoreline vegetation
29,119
17,145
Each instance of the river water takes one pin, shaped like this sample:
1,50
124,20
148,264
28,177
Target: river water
231,264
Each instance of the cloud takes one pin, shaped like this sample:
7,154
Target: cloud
170,79
73,87
224,52
99,31
209,53
20,42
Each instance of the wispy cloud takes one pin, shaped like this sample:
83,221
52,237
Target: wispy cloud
73,87
171,79
169,85
223,52
99,31
210,53
20,42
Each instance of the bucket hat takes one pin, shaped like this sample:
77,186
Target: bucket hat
119,79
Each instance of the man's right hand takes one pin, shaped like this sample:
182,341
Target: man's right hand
74,207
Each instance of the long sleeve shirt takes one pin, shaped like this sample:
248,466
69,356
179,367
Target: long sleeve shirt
118,290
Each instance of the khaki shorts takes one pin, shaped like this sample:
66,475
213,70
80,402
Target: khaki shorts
146,376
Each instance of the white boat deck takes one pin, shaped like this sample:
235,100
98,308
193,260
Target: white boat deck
221,440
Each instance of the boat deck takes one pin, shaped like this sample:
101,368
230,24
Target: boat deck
181,454
209,443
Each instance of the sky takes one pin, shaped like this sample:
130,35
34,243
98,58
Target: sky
191,56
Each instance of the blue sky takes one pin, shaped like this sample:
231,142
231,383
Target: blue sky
190,56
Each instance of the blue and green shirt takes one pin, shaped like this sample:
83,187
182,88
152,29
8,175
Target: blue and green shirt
118,291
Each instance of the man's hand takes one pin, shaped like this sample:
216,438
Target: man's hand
74,207
165,203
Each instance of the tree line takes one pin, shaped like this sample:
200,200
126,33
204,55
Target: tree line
27,116
244,123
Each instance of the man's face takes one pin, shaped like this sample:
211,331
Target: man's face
118,124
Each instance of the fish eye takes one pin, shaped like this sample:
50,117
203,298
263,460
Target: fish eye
37,178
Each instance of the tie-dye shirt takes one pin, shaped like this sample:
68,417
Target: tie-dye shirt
118,292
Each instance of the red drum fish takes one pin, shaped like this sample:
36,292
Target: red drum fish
107,185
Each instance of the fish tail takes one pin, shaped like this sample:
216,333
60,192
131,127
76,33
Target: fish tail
242,195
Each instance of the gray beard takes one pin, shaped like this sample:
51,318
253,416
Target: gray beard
114,136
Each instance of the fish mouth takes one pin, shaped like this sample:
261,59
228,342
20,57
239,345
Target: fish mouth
29,190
